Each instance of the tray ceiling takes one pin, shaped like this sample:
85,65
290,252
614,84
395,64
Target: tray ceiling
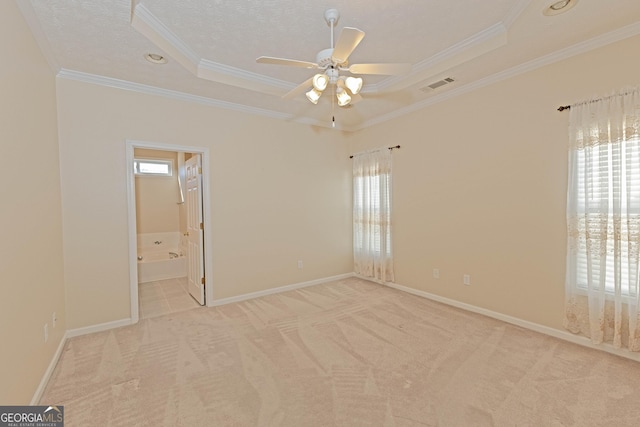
212,46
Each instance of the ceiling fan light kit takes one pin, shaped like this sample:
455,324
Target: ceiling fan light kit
343,97
354,84
320,82
331,62
314,95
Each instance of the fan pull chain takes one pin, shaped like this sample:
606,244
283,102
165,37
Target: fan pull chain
333,107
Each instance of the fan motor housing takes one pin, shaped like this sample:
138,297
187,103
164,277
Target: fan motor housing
323,59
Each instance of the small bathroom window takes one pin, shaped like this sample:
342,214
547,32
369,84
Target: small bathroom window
153,167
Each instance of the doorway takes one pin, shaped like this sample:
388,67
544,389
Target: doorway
193,239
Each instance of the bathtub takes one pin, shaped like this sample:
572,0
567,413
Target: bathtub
161,265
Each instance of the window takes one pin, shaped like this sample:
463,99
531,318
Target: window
370,197
372,248
608,215
603,220
153,167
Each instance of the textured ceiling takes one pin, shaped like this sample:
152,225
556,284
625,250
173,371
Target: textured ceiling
212,46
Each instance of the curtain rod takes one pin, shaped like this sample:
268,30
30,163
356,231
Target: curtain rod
604,98
390,148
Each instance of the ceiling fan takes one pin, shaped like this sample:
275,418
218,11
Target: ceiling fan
332,62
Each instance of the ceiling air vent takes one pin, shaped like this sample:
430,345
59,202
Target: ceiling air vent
437,84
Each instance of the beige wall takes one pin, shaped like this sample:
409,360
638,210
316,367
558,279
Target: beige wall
479,189
157,197
280,192
480,185
31,269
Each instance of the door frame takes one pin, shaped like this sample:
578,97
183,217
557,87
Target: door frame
131,216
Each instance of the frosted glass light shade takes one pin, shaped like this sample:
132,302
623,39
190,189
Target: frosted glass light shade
313,95
320,82
343,97
354,84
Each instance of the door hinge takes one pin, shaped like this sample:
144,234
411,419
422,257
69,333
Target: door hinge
202,280
201,226
199,171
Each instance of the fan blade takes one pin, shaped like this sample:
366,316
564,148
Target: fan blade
385,69
347,42
283,61
299,89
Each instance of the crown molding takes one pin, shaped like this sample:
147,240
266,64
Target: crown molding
515,12
172,94
147,24
577,49
479,44
140,12
244,79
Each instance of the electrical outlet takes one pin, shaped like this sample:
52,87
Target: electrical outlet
436,273
466,279
300,264
46,332
54,319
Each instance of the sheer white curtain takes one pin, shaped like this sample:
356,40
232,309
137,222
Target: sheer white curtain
372,215
603,220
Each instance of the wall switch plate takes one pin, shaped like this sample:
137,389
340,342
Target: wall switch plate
300,264
436,273
466,279
46,332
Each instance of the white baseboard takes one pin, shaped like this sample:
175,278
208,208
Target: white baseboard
556,333
35,400
98,328
244,297
563,335
126,322
56,356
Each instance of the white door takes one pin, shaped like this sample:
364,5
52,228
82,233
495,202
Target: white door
195,229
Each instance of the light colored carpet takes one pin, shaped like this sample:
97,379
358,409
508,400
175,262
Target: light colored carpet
346,353
164,297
